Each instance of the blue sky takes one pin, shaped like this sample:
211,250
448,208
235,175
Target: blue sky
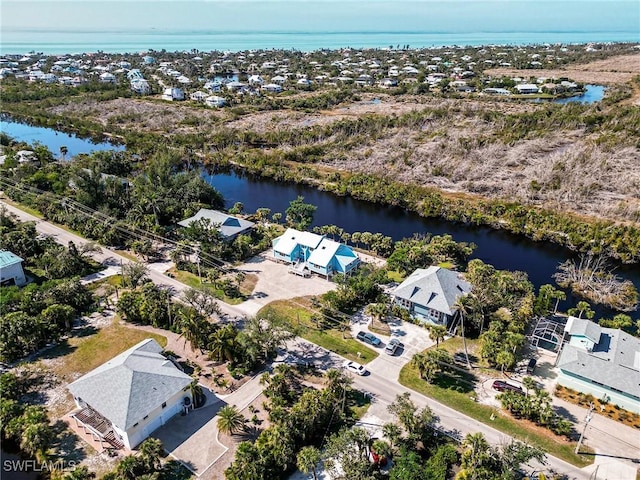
314,15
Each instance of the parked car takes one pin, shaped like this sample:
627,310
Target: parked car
369,338
392,346
531,366
501,386
354,367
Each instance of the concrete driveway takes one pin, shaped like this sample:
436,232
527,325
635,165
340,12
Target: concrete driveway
276,283
414,338
193,438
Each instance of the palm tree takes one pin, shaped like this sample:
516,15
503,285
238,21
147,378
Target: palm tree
230,420
151,452
529,384
392,432
307,460
129,467
80,473
460,306
437,333
197,394
222,343
376,310
476,450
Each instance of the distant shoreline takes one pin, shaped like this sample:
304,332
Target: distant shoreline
58,43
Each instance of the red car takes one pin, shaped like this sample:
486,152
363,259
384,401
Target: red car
501,386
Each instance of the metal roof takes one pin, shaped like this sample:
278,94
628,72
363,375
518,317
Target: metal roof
228,225
8,258
130,386
435,287
287,242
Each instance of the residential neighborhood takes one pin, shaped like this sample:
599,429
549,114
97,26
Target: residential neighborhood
142,392
296,262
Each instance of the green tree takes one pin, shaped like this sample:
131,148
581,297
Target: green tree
133,274
300,214
347,452
437,333
230,420
151,452
307,460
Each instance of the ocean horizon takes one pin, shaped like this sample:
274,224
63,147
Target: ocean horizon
235,26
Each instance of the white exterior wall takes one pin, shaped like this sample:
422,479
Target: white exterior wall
13,271
158,417
599,392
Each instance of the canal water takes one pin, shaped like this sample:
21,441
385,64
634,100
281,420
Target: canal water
498,248
53,139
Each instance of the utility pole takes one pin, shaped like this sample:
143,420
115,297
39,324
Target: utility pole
584,429
198,260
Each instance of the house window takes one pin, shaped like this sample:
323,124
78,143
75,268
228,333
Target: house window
164,404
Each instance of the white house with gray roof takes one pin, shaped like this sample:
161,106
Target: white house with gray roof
603,362
228,225
430,294
124,400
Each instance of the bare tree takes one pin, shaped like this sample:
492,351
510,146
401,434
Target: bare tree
593,279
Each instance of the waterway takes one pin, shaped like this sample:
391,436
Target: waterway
498,248
53,139
593,93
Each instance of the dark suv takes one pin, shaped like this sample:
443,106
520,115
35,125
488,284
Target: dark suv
502,386
369,338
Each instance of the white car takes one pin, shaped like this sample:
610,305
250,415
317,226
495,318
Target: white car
354,367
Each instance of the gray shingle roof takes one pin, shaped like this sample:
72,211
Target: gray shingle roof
613,362
435,287
583,327
130,386
228,224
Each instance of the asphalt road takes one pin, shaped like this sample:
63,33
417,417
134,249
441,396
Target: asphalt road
384,388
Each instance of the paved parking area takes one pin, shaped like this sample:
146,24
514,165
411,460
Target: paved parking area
414,338
276,283
192,438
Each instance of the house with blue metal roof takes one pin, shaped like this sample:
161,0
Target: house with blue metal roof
306,251
11,271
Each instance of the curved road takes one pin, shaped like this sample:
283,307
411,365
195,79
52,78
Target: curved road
385,388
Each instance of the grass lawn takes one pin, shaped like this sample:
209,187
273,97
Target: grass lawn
193,281
81,354
294,313
29,210
462,402
395,276
127,254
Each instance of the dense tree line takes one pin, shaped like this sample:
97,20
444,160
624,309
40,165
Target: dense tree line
24,426
244,349
43,311
296,421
